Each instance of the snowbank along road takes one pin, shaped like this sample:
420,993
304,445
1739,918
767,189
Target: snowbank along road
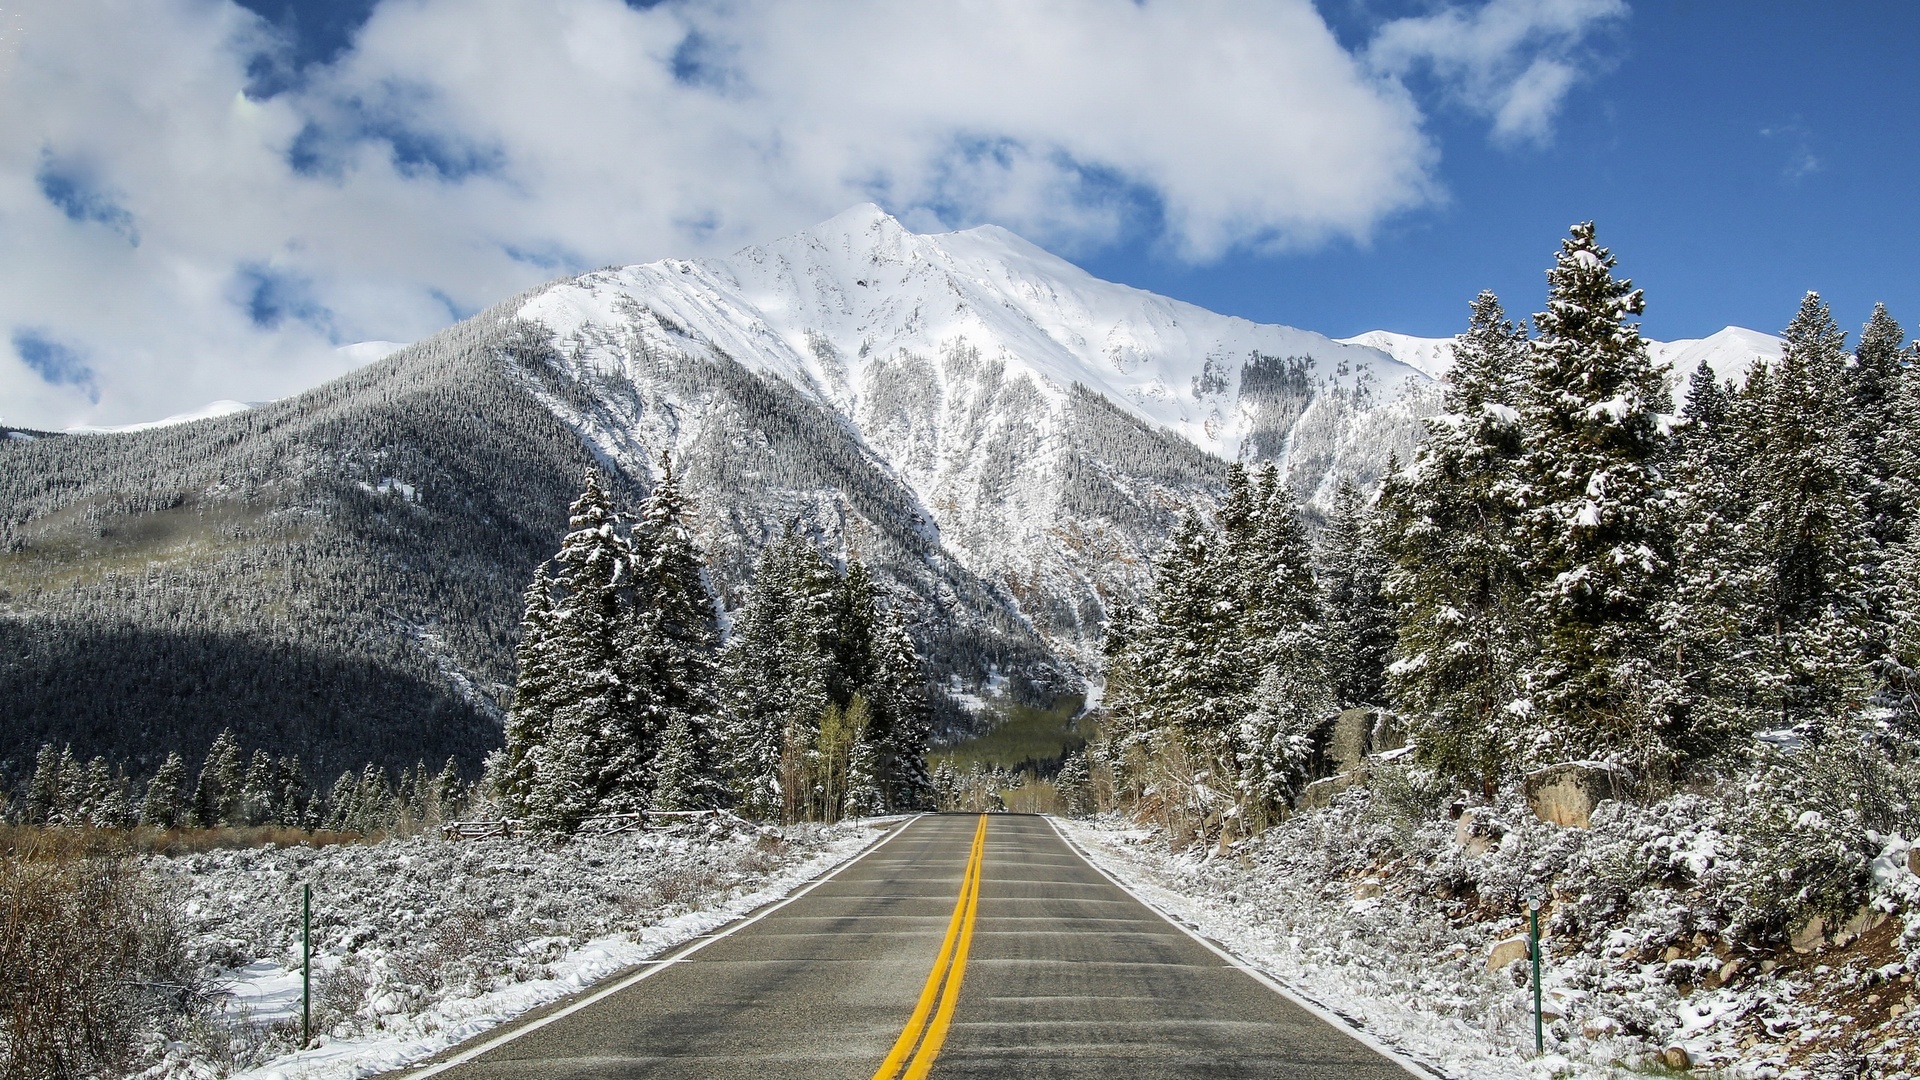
960,946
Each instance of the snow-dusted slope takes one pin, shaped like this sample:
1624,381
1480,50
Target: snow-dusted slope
1045,423
1430,355
833,306
204,412
1727,353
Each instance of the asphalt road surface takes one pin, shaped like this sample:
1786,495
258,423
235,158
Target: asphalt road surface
1059,973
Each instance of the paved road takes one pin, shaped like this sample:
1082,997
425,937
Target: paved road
1064,975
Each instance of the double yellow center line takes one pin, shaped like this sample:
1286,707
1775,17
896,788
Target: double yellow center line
921,1040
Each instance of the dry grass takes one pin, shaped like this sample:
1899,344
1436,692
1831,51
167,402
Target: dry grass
93,958
35,842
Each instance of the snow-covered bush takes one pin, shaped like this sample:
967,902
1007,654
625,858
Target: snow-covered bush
93,957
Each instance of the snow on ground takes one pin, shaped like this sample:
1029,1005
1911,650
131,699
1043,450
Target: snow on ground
423,943
1399,926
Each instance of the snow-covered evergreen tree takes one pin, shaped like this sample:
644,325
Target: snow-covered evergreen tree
592,757
668,645
160,807
1458,547
1597,516
530,720
1808,532
776,673
216,795
1360,626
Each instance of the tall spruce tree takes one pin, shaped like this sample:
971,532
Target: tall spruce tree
1597,521
1360,627
1455,538
1809,531
668,645
776,672
530,719
160,807
591,760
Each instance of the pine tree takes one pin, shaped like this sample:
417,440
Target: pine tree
449,794
217,793
161,806
668,648
590,761
679,780
70,791
530,720
1714,574
43,791
257,792
1360,628
1287,690
1809,532
776,672
290,802
1597,521
902,720
342,813
1454,537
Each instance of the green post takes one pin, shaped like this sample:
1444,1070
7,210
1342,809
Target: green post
306,966
1539,1035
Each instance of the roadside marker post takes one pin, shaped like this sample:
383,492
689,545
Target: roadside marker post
1539,1035
306,965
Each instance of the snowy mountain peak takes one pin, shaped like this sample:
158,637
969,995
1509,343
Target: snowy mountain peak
1039,421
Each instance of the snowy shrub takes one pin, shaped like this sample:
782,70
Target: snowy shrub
1811,822
93,958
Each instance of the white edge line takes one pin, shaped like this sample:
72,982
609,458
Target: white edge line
1361,1035
650,968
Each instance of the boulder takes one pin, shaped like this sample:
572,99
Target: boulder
1566,794
1321,792
1675,1057
1506,952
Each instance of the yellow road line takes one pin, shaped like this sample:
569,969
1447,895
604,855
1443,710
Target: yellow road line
948,967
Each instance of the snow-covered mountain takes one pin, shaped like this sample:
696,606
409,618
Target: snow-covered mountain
1041,420
1728,353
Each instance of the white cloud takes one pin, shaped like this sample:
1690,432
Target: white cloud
191,243
1512,60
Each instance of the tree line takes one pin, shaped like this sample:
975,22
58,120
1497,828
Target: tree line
232,790
1565,572
627,700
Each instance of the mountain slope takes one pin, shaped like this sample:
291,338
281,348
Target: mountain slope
1006,439
1728,353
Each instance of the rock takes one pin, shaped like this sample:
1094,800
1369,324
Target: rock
1320,793
1810,936
1349,738
1913,859
1475,833
1863,920
1600,1027
1672,953
1767,966
1566,794
1366,890
1731,968
1506,952
1675,1057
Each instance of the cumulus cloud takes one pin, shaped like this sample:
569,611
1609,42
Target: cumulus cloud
1512,60
195,207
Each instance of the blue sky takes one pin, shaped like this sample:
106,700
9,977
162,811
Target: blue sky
207,199
1734,156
